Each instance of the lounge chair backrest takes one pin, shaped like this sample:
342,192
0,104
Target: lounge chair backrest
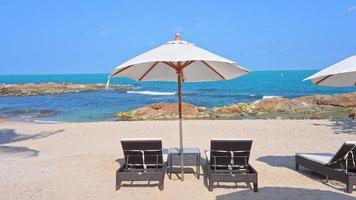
225,152
142,152
346,151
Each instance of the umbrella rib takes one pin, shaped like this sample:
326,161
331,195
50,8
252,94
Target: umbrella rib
212,69
187,63
123,69
170,64
184,66
148,71
323,79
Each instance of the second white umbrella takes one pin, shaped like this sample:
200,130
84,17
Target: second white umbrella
341,74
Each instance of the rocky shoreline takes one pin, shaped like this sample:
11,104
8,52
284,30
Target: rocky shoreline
306,107
31,89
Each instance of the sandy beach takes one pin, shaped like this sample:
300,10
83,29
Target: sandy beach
79,160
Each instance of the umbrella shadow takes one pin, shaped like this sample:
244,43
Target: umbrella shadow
341,126
282,193
11,151
289,163
8,136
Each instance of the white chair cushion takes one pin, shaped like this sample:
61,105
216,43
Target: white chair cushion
321,158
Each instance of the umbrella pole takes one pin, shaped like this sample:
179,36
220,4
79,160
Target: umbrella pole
180,125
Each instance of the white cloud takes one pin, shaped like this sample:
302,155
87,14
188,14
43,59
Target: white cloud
104,33
351,9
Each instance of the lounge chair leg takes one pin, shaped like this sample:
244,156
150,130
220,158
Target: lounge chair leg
118,185
161,185
349,188
255,187
210,186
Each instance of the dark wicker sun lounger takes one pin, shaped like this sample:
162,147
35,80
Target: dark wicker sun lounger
340,166
228,161
144,161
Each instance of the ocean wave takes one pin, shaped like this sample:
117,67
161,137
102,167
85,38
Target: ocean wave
46,122
269,97
152,93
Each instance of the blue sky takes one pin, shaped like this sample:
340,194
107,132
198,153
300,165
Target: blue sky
95,36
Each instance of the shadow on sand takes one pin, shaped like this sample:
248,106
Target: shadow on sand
279,161
341,126
9,136
9,151
282,193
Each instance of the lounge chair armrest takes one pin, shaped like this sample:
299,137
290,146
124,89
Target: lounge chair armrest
122,166
252,169
165,154
207,156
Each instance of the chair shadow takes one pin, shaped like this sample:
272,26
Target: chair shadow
8,136
279,161
341,126
282,193
289,163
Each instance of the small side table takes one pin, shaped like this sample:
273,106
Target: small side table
189,151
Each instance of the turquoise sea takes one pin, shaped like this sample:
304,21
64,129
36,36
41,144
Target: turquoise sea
101,105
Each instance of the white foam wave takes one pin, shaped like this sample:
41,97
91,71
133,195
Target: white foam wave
46,122
153,93
269,97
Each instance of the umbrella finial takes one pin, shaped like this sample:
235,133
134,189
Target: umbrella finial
177,36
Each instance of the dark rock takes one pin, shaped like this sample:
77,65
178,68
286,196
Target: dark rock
24,111
46,113
31,89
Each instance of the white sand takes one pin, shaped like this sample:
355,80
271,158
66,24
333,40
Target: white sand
78,161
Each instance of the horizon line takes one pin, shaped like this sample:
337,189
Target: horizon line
79,73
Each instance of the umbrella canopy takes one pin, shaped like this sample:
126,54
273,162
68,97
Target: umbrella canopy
179,61
161,64
341,74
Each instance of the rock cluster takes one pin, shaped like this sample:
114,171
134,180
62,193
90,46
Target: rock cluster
31,89
33,112
307,107
164,111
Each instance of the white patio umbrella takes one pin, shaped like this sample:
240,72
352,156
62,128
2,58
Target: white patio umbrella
178,61
341,74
